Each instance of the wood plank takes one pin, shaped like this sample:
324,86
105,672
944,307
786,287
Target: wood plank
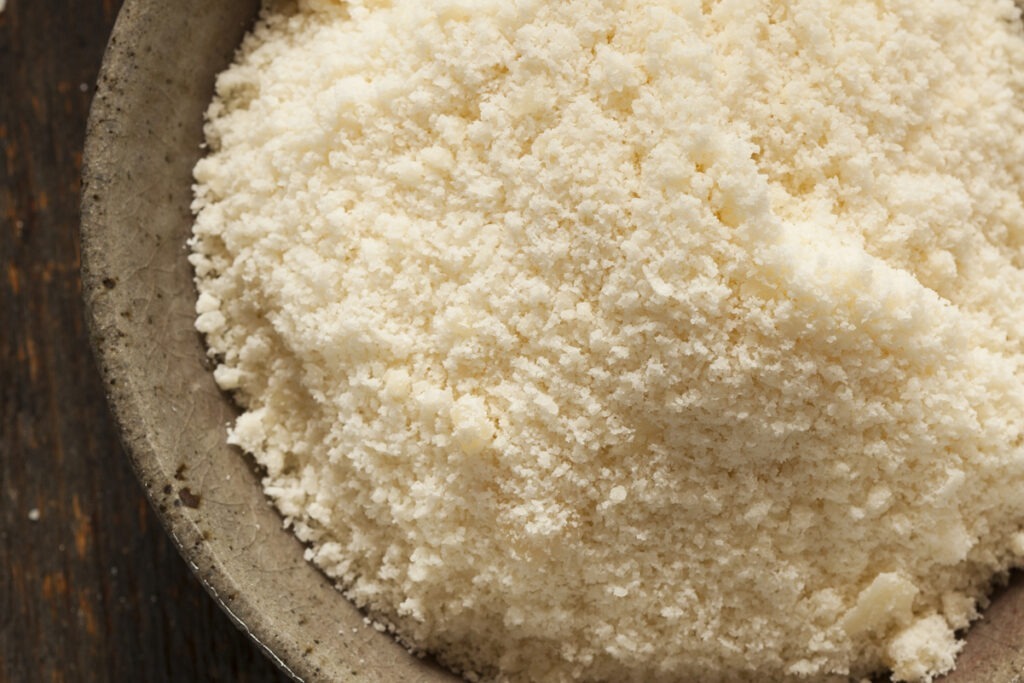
92,590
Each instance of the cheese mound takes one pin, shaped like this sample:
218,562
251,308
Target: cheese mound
632,340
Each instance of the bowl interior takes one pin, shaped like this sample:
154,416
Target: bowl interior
144,137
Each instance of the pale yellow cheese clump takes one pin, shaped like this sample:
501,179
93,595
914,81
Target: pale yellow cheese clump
632,340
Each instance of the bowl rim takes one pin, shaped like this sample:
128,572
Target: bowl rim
100,153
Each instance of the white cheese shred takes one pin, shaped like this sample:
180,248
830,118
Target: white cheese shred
632,340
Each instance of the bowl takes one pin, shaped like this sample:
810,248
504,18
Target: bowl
144,137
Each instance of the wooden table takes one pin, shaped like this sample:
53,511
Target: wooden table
91,589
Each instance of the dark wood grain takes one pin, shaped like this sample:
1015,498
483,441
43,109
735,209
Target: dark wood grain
92,590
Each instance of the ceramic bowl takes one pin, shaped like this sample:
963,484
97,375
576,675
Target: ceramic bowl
144,136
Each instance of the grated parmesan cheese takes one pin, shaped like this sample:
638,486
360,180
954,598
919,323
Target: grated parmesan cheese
631,340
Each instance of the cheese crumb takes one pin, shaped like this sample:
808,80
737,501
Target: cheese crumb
922,649
617,494
631,340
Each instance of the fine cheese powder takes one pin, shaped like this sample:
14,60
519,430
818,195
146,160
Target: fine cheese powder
632,340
